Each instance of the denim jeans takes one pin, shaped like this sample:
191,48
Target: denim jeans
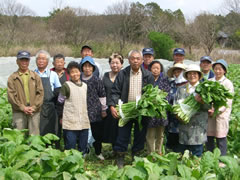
74,137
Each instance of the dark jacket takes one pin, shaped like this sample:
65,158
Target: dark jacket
120,87
65,76
211,75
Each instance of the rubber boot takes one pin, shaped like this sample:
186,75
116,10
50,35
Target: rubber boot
120,160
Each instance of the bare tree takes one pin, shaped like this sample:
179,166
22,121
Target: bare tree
232,5
72,25
188,36
11,12
126,22
206,31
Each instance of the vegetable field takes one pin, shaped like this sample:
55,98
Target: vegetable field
34,157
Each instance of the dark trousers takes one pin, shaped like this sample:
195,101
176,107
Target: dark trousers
173,141
196,150
124,134
97,133
221,144
74,137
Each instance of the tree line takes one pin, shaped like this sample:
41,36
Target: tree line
122,25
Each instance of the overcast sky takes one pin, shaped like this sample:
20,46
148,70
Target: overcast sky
190,8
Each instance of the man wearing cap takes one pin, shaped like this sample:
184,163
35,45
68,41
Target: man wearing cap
25,94
178,55
51,85
206,66
147,57
87,51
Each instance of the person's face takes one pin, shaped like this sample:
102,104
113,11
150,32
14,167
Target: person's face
156,70
135,61
219,71
178,58
192,77
59,64
115,65
206,66
42,61
147,59
86,52
75,74
87,69
23,64
177,72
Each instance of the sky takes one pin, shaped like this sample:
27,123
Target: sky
190,8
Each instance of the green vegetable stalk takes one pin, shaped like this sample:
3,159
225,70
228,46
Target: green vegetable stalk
211,92
186,109
153,103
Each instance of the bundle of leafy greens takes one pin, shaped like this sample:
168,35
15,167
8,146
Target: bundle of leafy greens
211,92
152,103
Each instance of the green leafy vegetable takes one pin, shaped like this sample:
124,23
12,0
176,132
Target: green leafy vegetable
211,92
153,103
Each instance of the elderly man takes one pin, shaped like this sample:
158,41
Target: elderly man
178,55
206,66
148,57
25,94
87,51
127,86
58,63
51,85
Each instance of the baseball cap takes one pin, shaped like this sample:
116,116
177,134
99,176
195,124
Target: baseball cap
85,46
148,51
206,58
179,51
23,55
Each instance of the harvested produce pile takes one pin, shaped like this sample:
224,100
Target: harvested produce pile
211,92
153,103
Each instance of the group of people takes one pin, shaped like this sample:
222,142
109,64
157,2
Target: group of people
78,101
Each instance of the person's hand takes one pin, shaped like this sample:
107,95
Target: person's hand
28,110
104,114
31,110
114,112
210,112
199,99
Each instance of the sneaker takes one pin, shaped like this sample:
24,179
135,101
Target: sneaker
100,156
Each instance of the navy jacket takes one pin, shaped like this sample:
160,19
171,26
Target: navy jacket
120,87
211,75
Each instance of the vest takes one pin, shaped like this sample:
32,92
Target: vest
75,113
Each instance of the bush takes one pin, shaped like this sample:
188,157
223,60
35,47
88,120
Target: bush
162,45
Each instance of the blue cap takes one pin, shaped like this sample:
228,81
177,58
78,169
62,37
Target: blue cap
23,55
88,59
179,51
206,58
222,62
148,51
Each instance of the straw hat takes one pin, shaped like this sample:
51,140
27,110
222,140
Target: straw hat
175,66
195,68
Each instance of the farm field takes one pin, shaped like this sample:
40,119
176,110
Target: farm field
23,157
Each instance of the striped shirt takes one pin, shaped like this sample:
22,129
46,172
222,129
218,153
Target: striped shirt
135,85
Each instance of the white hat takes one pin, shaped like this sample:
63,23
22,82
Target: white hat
175,66
195,68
